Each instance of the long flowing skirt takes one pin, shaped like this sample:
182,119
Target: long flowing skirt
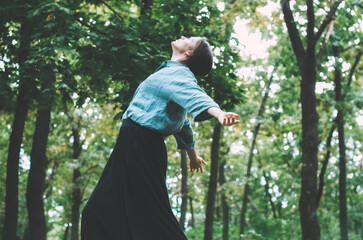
130,200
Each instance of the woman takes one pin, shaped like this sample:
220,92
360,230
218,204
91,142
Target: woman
130,201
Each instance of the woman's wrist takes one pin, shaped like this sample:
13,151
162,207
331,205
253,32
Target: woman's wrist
192,154
215,111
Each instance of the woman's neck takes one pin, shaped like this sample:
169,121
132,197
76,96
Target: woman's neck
177,57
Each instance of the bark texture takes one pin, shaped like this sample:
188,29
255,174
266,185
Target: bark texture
76,192
342,158
184,188
16,136
212,186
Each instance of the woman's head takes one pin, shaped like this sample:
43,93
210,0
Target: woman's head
195,53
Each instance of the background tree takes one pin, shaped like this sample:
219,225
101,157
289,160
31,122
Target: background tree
307,62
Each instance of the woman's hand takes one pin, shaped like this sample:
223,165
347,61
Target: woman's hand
228,118
195,161
196,164
224,118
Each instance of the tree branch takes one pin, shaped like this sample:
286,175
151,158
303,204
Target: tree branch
323,44
310,49
295,39
352,70
87,25
325,163
113,10
329,17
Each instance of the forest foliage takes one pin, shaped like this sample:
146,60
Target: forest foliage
68,70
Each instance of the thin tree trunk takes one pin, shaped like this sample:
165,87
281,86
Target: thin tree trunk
267,186
184,188
342,158
37,172
76,202
217,211
26,235
250,158
36,179
225,208
328,141
66,232
76,193
325,164
47,189
191,212
16,137
269,196
212,186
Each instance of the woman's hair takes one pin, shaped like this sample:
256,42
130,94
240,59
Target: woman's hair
200,63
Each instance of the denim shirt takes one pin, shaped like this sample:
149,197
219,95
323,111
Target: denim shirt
162,101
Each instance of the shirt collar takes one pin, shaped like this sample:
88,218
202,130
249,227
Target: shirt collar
170,63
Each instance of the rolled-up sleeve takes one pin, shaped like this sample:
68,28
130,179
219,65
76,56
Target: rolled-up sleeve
184,138
193,99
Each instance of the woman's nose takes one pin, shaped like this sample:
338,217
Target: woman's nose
182,37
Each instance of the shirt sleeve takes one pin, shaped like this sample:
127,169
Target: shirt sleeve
184,138
193,99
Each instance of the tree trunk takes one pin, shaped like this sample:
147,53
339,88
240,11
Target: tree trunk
26,235
267,187
36,179
66,232
37,172
307,65
308,204
342,159
212,187
76,202
328,141
16,136
184,188
250,158
191,212
76,192
225,208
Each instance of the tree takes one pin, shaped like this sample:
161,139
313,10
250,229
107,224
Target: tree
184,188
16,137
307,62
251,153
212,186
342,158
225,207
36,179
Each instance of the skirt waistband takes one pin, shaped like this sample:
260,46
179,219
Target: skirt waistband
128,122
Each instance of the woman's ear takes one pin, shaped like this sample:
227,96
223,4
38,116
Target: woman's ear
188,53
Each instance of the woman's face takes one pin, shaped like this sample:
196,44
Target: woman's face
184,45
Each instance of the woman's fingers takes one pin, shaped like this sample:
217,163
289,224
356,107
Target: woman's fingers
232,115
229,121
199,167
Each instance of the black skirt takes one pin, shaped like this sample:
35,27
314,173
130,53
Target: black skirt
130,200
